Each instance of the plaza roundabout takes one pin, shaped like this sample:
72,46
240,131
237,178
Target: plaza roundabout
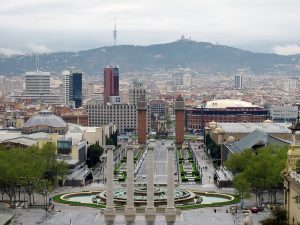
184,199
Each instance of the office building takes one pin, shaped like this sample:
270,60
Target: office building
123,116
158,107
136,91
238,81
37,89
111,82
187,80
283,113
291,84
37,83
71,88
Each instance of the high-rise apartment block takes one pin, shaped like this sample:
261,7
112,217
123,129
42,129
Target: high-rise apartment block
187,80
37,83
123,116
37,89
136,91
111,82
238,81
71,88
291,84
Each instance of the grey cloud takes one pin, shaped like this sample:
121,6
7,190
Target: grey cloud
66,24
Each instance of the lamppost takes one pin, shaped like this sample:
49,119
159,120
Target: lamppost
45,195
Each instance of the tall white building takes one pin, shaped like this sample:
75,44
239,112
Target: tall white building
291,84
65,87
187,80
283,113
2,86
37,83
71,88
37,89
238,81
135,92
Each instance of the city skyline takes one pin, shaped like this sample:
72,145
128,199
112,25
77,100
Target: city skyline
32,26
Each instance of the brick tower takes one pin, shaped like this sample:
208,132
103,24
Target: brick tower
142,120
179,119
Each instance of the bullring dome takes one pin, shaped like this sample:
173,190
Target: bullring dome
45,118
45,121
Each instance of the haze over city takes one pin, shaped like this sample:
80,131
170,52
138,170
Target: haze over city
65,25
158,112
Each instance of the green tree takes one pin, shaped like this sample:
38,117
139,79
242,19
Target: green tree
242,187
28,167
278,217
238,162
259,171
93,154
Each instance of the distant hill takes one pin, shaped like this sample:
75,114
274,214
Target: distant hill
200,56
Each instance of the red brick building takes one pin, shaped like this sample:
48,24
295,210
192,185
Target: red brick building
76,116
179,120
81,119
224,111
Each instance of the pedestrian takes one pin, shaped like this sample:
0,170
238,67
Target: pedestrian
215,210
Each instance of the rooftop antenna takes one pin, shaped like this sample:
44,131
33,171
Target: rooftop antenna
37,62
115,32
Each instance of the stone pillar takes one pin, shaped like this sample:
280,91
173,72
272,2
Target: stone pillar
130,209
170,210
150,209
110,209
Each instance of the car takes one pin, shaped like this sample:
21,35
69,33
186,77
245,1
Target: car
144,176
254,209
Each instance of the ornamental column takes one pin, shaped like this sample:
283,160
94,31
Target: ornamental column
150,209
170,210
130,209
179,120
110,209
142,120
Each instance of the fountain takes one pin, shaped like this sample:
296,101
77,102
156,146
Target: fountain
182,197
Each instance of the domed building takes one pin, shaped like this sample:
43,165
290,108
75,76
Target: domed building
45,121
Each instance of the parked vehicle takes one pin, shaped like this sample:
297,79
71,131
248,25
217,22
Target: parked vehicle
254,209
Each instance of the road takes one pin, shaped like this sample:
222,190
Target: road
160,164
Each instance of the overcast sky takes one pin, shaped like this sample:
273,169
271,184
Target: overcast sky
57,25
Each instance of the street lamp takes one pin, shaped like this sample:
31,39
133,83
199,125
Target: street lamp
45,195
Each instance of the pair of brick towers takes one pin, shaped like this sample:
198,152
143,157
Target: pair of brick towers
150,210
142,120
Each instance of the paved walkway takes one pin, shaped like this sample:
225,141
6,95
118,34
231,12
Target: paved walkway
206,164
